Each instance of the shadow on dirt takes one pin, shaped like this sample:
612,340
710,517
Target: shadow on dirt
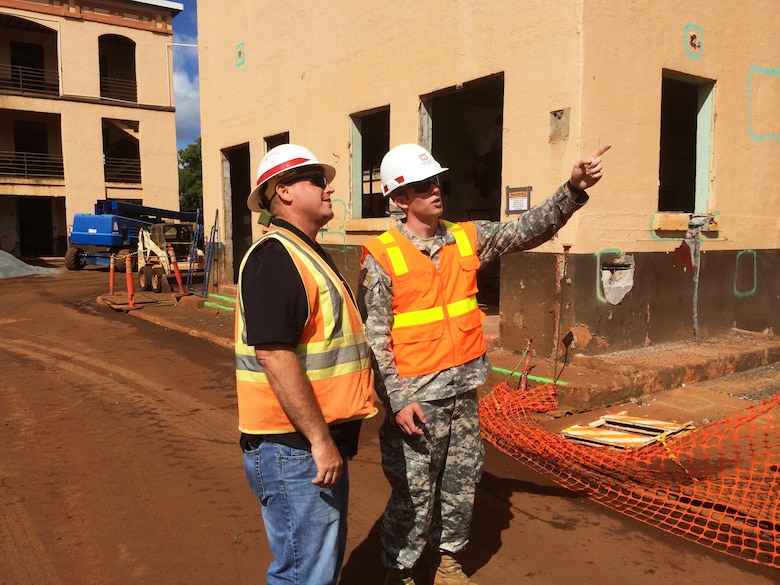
493,512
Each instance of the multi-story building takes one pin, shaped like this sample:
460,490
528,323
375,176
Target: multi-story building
679,240
86,113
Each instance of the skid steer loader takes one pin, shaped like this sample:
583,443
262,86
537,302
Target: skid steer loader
161,245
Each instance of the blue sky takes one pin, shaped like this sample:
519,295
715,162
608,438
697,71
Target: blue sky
186,84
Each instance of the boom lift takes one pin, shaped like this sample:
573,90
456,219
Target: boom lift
114,229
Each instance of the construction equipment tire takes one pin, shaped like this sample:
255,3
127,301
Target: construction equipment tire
145,278
123,261
158,276
73,259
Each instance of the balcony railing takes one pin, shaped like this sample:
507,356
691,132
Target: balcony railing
118,89
31,165
29,80
122,170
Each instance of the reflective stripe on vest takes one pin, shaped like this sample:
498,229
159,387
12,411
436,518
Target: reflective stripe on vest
333,352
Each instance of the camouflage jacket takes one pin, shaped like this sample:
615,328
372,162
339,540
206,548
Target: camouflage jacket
494,239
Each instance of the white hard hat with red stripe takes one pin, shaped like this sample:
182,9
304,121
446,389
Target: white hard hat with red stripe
404,164
279,160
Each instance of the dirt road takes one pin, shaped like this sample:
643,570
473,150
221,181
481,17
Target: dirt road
119,464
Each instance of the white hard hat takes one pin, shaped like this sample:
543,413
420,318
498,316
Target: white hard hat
278,160
404,164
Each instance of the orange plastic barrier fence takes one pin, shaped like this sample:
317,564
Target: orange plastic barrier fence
717,485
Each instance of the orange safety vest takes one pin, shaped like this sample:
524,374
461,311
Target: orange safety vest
333,350
437,323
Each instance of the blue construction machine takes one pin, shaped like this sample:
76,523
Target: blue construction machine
114,229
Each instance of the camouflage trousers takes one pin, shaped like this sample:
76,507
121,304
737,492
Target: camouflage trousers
433,479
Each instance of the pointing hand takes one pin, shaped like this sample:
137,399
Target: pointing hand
587,172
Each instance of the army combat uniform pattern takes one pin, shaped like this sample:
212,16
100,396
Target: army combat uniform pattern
450,451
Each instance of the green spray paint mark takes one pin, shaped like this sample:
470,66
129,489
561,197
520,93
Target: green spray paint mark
599,288
751,255
351,253
752,78
240,54
693,40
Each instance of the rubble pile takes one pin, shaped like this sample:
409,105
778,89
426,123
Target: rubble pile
12,267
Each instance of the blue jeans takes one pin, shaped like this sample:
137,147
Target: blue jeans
306,526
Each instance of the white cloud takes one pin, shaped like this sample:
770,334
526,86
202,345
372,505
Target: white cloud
185,75
187,100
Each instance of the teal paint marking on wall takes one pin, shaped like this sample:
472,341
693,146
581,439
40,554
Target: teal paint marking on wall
764,124
240,54
693,40
351,253
599,288
653,235
743,267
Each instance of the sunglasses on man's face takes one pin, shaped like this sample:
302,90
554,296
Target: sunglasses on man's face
316,179
424,186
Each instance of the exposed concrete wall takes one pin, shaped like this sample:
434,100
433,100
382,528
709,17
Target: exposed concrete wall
735,289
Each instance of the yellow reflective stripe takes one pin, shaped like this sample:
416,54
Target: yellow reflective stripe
397,260
462,307
325,288
418,317
247,376
425,316
386,238
394,252
339,370
461,239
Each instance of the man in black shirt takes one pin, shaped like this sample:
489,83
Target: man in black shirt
303,371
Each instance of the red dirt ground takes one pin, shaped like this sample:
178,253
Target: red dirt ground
120,465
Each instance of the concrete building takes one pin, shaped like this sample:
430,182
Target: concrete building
86,113
680,239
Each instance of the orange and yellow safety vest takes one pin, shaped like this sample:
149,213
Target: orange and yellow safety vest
437,323
333,350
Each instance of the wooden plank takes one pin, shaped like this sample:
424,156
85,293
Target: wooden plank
623,431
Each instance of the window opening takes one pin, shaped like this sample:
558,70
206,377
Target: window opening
276,140
117,69
121,151
370,142
686,134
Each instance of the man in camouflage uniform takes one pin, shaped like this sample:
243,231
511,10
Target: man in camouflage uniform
432,453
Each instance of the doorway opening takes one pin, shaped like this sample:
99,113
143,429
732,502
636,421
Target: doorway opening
41,228
236,185
463,128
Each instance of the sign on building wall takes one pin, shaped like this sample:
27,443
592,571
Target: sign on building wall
518,199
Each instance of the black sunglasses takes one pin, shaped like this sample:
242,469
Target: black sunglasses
316,179
424,186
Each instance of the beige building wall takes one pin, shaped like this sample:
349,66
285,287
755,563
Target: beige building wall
72,48
577,75
271,70
626,47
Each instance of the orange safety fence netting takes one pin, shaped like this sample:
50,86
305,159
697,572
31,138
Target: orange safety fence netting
717,485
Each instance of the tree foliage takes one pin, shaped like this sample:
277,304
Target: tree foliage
191,178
